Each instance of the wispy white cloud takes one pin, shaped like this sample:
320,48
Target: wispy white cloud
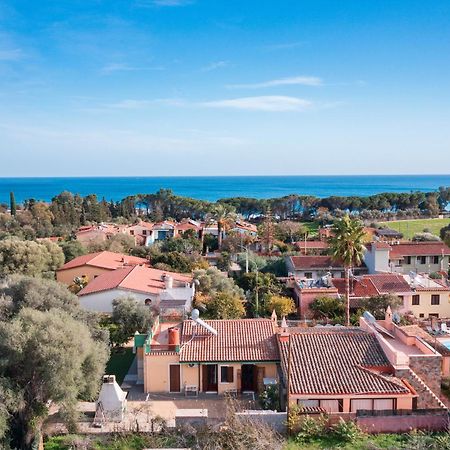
290,81
11,54
163,3
263,103
285,46
121,67
129,104
215,65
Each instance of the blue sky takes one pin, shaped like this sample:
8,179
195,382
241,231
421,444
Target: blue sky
210,87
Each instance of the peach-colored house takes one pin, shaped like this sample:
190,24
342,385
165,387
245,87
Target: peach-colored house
186,357
372,373
94,264
340,370
171,292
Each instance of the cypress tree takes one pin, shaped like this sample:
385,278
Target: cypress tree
12,202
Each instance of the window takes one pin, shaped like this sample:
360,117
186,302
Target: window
401,297
435,259
226,374
434,315
308,403
416,299
435,299
308,275
421,315
422,259
408,259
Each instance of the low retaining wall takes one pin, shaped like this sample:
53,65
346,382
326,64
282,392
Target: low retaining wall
274,419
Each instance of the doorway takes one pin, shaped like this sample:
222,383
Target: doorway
248,378
174,378
210,378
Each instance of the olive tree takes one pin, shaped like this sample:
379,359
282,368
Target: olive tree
130,315
50,350
29,257
46,356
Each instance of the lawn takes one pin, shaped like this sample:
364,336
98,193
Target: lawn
413,226
134,441
380,441
119,363
419,440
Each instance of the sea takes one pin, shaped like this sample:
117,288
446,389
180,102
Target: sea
216,187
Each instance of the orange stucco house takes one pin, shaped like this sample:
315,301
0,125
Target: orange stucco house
94,264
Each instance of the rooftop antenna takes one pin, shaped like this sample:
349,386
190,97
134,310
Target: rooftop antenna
195,316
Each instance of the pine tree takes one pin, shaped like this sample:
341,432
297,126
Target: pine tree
12,201
268,230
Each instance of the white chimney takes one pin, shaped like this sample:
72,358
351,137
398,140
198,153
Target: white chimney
168,280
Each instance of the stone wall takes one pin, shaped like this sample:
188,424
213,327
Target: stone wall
428,369
427,398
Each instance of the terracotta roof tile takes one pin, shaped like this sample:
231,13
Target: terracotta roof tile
389,283
371,285
419,249
338,362
314,262
319,245
236,340
105,259
133,278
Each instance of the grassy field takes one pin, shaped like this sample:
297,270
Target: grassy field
437,441
119,363
413,226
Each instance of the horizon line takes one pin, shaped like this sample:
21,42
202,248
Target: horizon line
225,176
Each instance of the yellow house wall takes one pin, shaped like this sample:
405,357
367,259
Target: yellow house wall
426,308
270,372
66,276
156,374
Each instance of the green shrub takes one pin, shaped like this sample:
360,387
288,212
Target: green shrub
269,398
310,429
346,431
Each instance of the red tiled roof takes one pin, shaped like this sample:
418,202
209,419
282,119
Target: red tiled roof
247,226
236,340
320,245
389,283
419,249
133,278
184,226
314,262
378,244
106,260
371,285
338,362
358,287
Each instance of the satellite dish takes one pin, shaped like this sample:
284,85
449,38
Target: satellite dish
369,317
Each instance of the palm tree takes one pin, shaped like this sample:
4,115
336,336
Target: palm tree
347,246
224,215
